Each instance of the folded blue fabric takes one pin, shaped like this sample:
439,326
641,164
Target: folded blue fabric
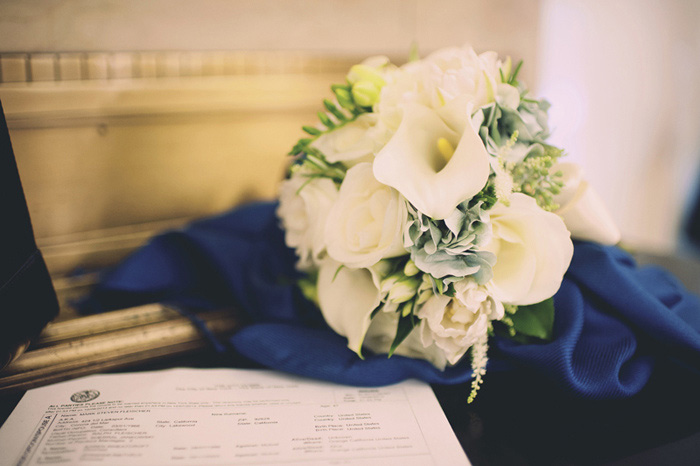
613,320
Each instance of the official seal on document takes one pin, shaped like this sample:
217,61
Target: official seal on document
84,396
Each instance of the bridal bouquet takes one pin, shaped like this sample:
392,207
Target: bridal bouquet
428,211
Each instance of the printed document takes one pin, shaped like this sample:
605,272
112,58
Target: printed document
226,417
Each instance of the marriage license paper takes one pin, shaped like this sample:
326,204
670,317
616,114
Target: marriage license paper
226,416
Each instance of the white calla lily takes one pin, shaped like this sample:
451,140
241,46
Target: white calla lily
414,162
533,250
349,317
582,209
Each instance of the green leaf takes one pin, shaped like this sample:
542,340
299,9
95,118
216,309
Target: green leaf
334,110
536,320
325,120
300,146
514,76
311,130
335,275
403,329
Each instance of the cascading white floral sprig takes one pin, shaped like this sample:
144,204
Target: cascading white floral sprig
427,205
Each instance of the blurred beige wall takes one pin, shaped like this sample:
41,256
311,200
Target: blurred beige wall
623,77
345,27
130,116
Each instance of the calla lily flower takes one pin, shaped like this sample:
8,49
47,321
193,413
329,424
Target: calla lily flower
582,209
348,317
419,163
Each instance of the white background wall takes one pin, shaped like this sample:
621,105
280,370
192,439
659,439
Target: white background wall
355,27
623,75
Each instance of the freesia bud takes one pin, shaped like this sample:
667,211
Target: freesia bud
360,73
403,290
410,268
365,93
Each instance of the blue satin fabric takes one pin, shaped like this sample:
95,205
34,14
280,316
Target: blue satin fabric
613,321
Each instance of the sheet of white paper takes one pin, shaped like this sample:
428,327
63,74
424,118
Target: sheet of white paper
226,416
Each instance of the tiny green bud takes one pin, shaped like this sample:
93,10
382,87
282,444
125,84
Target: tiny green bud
403,290
410,268
327,122
311,130
388,283
365,93
424,296
344,98
365,73
407,309
382,268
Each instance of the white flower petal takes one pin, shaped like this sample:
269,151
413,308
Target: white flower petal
411,163
351,143
381,334
582,209
347,317
507,96
303,209
366,223
533,250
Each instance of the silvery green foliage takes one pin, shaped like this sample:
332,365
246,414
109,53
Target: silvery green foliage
529,122
449,247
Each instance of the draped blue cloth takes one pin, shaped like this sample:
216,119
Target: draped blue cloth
613,320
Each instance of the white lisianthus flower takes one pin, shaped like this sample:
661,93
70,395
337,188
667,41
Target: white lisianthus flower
455,324
351,318
382,331
351,143
430,164
533,250
366,222
303,209
582,209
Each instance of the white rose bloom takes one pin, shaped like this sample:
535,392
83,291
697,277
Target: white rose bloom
455,324
454,72
351,143
366,222
304,206
414,162
582,209
533,250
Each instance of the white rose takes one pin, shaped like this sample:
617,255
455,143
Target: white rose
582,209
455,324
366,222
304,206
431,164
351,143
533,250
